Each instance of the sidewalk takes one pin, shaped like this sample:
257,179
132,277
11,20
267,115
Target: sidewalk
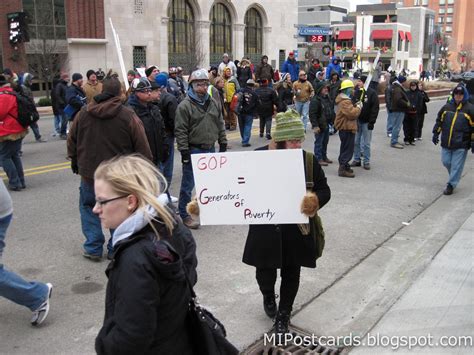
439,303
399,290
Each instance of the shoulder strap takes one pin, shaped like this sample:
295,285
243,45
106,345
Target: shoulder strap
309,170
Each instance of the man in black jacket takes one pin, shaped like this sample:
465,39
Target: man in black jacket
59,103
75,96
366,122
141,102
248,112
268,102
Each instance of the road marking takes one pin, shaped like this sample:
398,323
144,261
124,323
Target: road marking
42,169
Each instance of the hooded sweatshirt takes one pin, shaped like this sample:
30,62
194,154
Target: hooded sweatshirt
103,129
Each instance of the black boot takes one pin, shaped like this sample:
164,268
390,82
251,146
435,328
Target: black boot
270,306
282,322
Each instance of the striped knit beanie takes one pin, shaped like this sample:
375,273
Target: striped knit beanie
288,126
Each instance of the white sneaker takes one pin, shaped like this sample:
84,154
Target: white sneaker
41,313
174,199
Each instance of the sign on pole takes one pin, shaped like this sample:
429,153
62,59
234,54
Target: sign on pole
374,67
119,53
256,187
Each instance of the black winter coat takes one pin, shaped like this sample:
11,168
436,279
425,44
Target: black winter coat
334,90
244,74
312,73
400,102
416,101
426,99
321,109
249,102
285,97
454,122
154,128
268,98
168,105
75,97
59,101
276,245
147,295
370,107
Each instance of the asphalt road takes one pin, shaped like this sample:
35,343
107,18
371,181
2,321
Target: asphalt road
44,241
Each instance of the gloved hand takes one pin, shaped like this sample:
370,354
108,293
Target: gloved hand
185,157
222,148
74,166
359,104
370,126
435,139
316,130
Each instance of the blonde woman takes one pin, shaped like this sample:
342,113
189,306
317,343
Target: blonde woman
147,293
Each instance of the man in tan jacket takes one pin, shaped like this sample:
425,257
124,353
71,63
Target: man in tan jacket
304,91
93,87
346,123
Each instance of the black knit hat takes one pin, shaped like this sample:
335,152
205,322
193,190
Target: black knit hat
89,73
76,77
150,69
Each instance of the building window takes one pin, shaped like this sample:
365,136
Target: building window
442,11
46,19
416,2
220,32
380,43
440,19
400,44
450,2
181,40
450,10
138,7
139,57
449,19
253,37
407,45
346,43
449,29
442,2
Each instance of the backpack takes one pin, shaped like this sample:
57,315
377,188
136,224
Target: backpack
27,112
236,103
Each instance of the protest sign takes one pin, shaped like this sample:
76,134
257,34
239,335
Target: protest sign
256,187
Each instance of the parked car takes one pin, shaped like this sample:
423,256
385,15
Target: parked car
465,77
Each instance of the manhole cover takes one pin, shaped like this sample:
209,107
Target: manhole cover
299,342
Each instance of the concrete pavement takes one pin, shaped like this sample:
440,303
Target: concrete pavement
45,241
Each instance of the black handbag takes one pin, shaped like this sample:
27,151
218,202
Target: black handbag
206,332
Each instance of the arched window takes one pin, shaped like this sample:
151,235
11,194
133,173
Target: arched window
220,33
180,34
253,37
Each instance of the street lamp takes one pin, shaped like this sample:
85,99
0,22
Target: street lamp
334,40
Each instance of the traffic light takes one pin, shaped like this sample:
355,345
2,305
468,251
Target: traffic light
17,28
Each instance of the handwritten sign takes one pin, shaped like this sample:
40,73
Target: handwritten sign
256,187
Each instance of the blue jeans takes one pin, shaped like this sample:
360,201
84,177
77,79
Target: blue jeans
397,120
321,144
91,227
12,286
187,183
36,131
453,160
245,126
303,110
389,122
63,128
57,123
11,162
167,167
362,142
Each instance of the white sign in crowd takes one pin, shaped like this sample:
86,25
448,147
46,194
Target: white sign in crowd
256,187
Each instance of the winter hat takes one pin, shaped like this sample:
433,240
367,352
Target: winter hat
141,84
288,126
89,73
161,79
27,78
3,80
76,77
150,69
7,71
132,72
250,82
401,79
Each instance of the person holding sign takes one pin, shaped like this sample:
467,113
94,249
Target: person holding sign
288,247
199,124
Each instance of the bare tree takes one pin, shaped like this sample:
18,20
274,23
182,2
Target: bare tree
47,49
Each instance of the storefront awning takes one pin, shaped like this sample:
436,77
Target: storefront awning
402,35
345,35
408,36
382,34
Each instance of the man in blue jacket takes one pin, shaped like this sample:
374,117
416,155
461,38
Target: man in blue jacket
75,96
455,122
333,67
291,66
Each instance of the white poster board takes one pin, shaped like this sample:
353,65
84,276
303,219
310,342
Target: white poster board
141,71
255,187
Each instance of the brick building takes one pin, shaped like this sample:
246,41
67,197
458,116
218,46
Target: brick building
452,18
159,32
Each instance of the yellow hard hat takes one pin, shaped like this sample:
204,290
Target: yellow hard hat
346,84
